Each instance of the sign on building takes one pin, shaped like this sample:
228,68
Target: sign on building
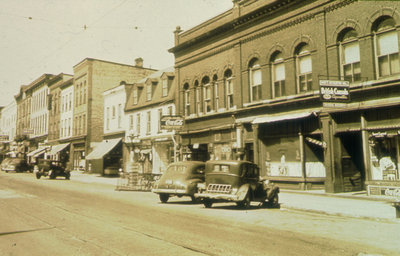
334,91
27,131
171,122
3,137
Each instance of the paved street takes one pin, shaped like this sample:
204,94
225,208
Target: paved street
59,217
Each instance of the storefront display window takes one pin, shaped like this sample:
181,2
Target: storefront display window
384,151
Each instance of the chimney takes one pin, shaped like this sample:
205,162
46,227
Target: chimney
139,62
176,33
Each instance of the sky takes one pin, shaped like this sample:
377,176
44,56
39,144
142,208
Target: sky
48,36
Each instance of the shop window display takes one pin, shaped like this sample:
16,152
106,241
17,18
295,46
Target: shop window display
384,157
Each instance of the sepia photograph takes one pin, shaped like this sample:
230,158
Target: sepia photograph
200,127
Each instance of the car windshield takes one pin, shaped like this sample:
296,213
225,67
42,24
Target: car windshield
16,161
176,169
221,168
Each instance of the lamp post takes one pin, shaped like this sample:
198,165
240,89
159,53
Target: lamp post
132,138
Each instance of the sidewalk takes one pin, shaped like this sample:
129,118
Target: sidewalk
357,205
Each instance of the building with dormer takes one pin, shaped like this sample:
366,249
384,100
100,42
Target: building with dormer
148,100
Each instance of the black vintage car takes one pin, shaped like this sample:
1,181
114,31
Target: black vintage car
236,181
51,168
180,179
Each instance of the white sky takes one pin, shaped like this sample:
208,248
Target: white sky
48,36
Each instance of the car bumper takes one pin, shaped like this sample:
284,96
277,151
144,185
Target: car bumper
170,191
225,197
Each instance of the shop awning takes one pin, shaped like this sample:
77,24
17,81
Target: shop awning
57,148
36,152
281,117
102,149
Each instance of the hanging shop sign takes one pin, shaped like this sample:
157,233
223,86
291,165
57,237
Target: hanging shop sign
334,91
171,122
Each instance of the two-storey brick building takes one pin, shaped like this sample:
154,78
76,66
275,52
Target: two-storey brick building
249,88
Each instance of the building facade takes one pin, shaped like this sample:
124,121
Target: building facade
249,87
91,78
149,147
8,123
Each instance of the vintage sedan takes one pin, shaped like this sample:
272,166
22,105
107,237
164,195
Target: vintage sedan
236,181
51,168
5,162
180,179
17,164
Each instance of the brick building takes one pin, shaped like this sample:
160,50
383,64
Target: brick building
249,87
91,78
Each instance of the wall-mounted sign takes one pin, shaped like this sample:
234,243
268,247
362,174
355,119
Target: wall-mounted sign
334,91
384,191
171,122
3,137
27,131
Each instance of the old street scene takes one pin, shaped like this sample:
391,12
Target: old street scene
232,127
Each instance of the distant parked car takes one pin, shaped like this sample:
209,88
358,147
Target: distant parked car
17,165
51,168
4,163
180,179
236,181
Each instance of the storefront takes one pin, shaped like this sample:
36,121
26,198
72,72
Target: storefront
106,157
217,143
291,150
364,150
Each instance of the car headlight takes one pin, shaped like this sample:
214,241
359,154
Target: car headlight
201,186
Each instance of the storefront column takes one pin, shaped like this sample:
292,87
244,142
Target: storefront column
255,144
302,160
365,148
331,183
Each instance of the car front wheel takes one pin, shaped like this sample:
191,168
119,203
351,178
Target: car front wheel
38,175
164,198
207,203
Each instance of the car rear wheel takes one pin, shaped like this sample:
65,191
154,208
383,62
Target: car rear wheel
273,202
67,175
164,198
207,203
38,175
52,174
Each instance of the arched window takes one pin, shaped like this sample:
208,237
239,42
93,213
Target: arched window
216,92
207,94
278,75
186,99
303,68
349,55
386,46
255,78
199,105
229,89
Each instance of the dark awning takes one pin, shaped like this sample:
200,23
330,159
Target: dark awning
102,149
57,148
36,152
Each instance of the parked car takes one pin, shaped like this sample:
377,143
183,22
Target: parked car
5,162
236,181
180,179
51,168
17,165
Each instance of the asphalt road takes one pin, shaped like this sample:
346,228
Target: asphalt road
60,217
